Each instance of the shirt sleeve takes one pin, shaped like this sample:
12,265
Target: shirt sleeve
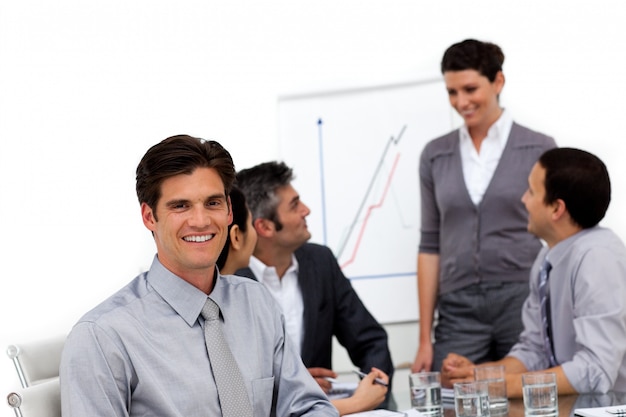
88,366
429,235
297,393
529,349
599,319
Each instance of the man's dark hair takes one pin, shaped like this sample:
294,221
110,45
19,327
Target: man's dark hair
176,155
259,185
581,180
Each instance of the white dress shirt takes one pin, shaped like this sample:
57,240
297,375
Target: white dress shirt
478,167
287,294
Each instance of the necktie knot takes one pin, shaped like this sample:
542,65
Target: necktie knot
210,311
546,266
544,271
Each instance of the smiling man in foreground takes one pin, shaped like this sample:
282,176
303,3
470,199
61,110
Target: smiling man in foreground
157,347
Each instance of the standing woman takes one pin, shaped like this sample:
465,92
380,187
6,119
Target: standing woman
475,252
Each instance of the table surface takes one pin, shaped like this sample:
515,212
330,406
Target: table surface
567,403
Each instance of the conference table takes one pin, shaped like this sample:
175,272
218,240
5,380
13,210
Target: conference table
567,403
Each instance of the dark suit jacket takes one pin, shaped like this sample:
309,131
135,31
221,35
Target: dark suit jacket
332,307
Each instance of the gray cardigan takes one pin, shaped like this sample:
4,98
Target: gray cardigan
488,242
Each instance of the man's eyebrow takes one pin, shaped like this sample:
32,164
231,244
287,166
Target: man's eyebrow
176,202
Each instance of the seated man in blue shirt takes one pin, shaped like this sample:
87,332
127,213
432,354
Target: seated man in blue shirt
584,342
143,351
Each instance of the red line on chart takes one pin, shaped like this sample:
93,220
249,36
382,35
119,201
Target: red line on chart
369,211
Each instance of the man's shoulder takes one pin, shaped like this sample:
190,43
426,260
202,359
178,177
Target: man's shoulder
246,273
242,278
314,250
120,301
601,238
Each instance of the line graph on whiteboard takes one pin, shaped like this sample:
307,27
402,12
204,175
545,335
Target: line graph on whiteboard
355,156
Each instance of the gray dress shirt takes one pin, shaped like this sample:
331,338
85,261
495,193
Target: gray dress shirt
142,353
588,312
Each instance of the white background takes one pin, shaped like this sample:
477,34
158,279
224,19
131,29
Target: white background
87,86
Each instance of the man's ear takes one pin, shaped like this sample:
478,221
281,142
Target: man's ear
147,215
264,227
558,209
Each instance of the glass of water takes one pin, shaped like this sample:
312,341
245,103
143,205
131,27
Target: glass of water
540,394
471,399
494,375
425,388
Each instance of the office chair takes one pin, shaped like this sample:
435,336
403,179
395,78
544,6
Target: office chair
39,400
37,361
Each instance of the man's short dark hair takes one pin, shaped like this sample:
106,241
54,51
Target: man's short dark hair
581,180
259,185
176,155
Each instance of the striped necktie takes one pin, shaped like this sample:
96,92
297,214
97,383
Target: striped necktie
544,297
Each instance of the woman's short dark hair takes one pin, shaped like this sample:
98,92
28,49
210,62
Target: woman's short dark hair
485,57
240,218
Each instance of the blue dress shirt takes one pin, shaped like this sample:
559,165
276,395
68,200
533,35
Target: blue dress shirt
142,353
588,312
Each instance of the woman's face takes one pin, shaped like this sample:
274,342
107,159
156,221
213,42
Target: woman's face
474,97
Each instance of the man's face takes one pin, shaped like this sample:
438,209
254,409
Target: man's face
193,218
291,213
539,213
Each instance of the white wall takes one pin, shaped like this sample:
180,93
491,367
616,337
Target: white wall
87,86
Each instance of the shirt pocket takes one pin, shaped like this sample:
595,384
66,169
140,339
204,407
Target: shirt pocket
262,394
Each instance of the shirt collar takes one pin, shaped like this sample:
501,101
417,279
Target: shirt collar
259,269
499,131
183,297
556,253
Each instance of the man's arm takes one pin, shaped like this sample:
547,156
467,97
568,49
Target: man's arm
427,288
514,381
354,326
598,319
88,387
296,392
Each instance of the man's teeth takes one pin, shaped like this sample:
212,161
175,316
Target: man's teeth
198,238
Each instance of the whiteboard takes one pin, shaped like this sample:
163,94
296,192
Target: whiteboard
355,156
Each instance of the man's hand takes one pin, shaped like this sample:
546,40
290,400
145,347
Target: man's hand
321,375
456,368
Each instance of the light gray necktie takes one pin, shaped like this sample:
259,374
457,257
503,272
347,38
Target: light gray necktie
544,298
231,388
